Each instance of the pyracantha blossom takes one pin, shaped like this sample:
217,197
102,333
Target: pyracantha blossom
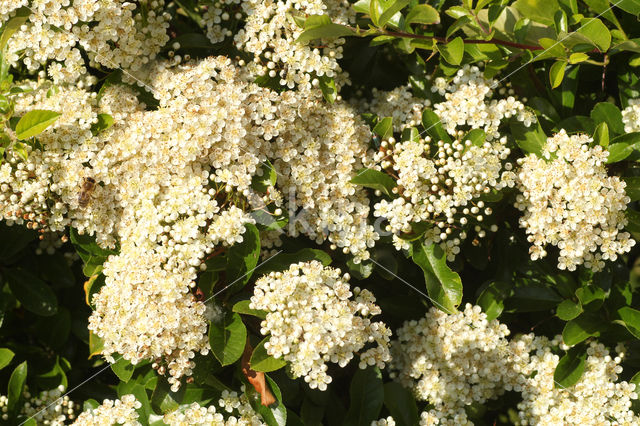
312,320
569,201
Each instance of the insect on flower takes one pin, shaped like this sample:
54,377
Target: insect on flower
87,188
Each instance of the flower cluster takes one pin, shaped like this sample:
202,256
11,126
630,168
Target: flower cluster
270,34
631,116
452,361
311,320
440,183
231,402
115,34
569,201
400,104
50,407
121,411
466,103
597,399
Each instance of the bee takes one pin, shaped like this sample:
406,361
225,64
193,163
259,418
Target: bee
88,185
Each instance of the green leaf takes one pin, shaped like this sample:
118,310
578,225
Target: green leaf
123,369
104,122
631,319
228,338
601,135
32,292
576,58
443,285
267,179
6,355
477,137
433,126
384,128
579,329
606,112
328,88
320,26
570,368
452,51
375,179
96,345
242,307
366,397
622,146
491,300
391,10
530,139
35,122
262,361
242,258
568,310
556,73
401,404
13,25
16,385
597,33
538,10
422,14
375,10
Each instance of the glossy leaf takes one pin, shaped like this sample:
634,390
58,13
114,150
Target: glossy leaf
452,51
242,307
570,368
366,397
384,128
391,10
228,338
262,361
530,139
433,126
556,73
16,386
606,112
375,179
35,122
320,26
242,258
631,319
568,310
422,14
443,285
6,355
596,32
123,368
579,329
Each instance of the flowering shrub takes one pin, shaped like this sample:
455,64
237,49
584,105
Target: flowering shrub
208,209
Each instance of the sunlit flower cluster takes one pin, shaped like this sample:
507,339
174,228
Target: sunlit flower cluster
114,34
452,361
237,407
120,411
569,201
400,104
312,320
270,33
631,116
596,399
467,102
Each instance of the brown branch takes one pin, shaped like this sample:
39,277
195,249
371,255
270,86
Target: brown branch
467,41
